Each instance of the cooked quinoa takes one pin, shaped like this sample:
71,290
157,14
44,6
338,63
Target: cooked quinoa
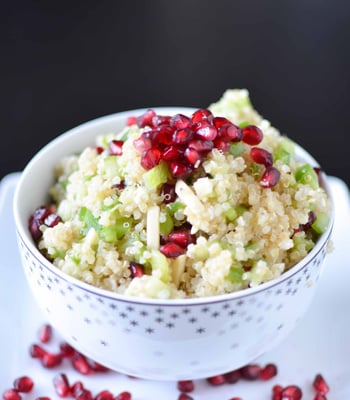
113,215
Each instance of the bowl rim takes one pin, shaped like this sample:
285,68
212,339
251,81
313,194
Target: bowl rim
24,236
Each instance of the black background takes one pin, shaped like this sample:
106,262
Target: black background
63,63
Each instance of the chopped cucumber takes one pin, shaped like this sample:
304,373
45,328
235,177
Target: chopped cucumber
235,274
113,233
306,175
175,207
167,226
321,223
160,266
157,175
89,220
236,149
110,166
284,151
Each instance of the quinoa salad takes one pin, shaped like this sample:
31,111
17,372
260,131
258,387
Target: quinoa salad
183,206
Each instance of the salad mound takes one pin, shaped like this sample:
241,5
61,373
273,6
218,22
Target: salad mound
184,205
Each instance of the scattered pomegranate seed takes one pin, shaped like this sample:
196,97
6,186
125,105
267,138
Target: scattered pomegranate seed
185,386
77,388
252,135
320,396
233,376
61,385
24,384
45,333
104,395
250,372
42,398
42,215
150,158
136,270
270,177
181,237
123,396
99,149
277,392
235,398
320,385
66,350
97,367
184,396
51,360
131,121
80,364
261,156
84,395
36,351
11,394
216,380
305,227
116,147
171,250
291,392
268,372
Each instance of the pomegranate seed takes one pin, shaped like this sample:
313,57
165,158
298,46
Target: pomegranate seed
104,395
84,395
277,392
36,351
162,134
136,270
142,144
116,147
45,333
230,132
193,157
220,121
66,350
185,386
184,396
261,156
270,177
291,392
172,153
201,146
51,360
123,396
181,237
179,170
320,396
268,372
42,215
24,384
150,158
181,136
61,385
171,250
216,380
205,130
11,394
168,192
131,121
97,367
80,364
222,145
233,376
180,121
202,114
42,398
52,220
77,388
250,372
320,385
252,135
146,119
235,398
99,149
159,120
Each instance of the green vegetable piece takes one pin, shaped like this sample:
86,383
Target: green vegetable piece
236,148
321,223
89,220
306,175
157,175
167,226
175,207
243,124
235,274
160,266
113,233
110,166
284,151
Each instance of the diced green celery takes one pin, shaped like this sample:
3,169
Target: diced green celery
124,134
252,246
303,242
284,151
157,175
255,169
57,253
321,223
110,166
235,274
167,226
89,220
160,266
201,252
243,124
115,232
234,212
306,175
110,207
175,207
236,148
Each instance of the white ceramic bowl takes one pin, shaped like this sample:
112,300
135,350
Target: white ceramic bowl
157,339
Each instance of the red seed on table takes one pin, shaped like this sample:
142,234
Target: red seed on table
45,333
66,350
216,380
11,394
42,398
77,388
250,372
233,376
36,351
123,396
24,384
184,396
268,372
185,386
320,396
104,395
80,364
277,392
61,385
320,385
97,367
51,360
291,392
